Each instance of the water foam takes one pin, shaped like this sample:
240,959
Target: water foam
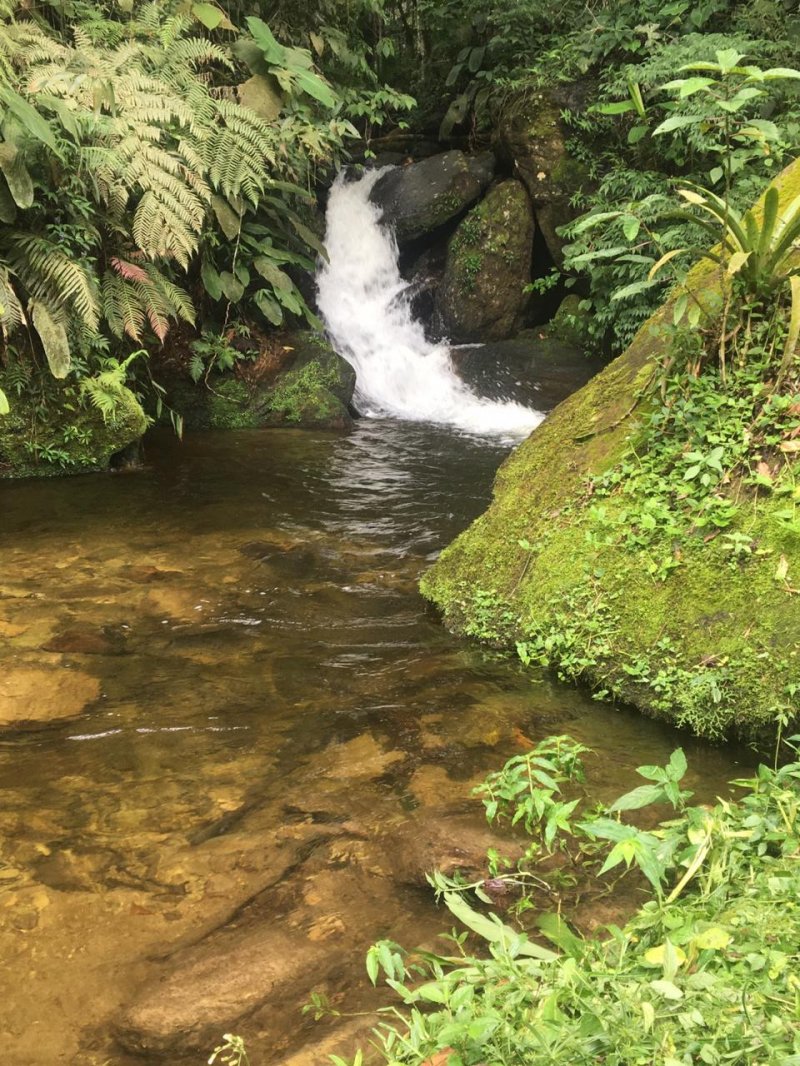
364,302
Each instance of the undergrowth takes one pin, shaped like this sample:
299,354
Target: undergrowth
704,972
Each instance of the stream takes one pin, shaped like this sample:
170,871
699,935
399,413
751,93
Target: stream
283,739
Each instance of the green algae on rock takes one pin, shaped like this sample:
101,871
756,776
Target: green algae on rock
482,294
707,638
57,431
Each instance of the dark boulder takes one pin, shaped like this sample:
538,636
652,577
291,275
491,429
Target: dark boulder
418,198
482,295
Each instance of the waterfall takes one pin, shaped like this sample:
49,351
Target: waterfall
364,302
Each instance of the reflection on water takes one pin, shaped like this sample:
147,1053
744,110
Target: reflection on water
282,731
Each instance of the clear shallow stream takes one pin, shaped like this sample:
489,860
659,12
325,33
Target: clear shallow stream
285,736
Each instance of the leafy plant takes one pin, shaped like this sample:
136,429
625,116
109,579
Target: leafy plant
702,972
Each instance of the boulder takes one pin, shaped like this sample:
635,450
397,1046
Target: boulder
482,295
34,696
531,138
69,434
315,392
418,198
304,384
540,561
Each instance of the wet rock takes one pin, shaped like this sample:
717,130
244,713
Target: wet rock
357,759
418,198
87,640
33,696
212,986
316,390
532,368
482,295
532,139
448,842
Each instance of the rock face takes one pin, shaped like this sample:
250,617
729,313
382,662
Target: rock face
531,561
418,198
488,266
309,386
531,138
71,438
32,696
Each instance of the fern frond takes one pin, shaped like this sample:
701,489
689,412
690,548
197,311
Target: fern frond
50,275
122,307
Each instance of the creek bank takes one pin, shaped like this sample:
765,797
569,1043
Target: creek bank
707,638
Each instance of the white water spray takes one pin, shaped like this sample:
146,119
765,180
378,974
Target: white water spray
364,302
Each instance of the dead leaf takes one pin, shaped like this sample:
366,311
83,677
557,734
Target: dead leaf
783,569
790,446
521,740
441,1058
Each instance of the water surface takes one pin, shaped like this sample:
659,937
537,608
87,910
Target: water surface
285,735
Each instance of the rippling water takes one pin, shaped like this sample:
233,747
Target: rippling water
283,727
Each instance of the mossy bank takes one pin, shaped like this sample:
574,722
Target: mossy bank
677,592
53,428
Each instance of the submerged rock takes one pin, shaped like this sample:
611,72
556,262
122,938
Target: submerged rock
482,295
32,696
214,985
539,562
418,198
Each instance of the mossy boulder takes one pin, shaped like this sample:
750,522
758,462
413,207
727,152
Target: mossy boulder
482,294
531,137
713,645
315,391
303,383
419,198
53,430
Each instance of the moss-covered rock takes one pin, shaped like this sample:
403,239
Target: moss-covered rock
53,430
418,198
712,645
482,294
306,385
530,136
315,392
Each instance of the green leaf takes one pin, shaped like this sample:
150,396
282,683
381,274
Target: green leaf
269,307
229,222
630,227
18,179
493,930
677,122
4,405
34,123
233,289
54,340
666,989
272,51
210,16
314,86
211,280
639,797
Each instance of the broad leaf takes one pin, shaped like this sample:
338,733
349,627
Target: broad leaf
54,340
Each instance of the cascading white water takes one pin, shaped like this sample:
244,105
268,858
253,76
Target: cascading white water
364,302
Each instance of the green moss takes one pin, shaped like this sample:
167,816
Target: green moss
53,430
714,645
303,396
